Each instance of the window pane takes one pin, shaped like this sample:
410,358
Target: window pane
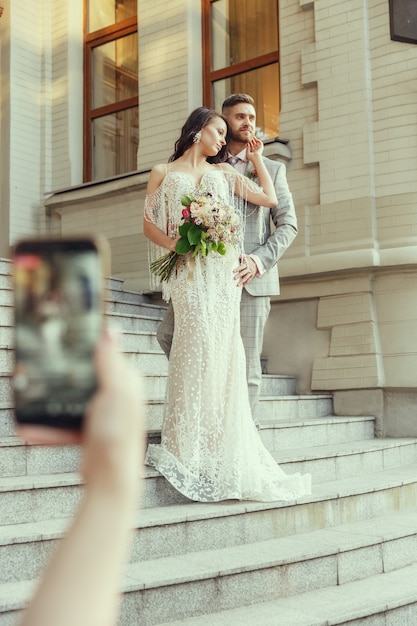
263,85
114,71
102,13
115,141
242,30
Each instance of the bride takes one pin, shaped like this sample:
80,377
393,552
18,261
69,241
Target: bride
210,448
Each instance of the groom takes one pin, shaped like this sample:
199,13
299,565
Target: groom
257,273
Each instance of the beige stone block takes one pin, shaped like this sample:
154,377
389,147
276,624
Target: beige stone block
359,402
400,371
398,338
311,139
308,65
344,309
399,280
292,340
403,255
352,339
346,372
400,414
399,307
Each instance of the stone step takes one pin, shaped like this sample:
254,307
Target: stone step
7,425
121,306
316,408
131,339
272,410
6,297
116,308
6,315
283,435
18,459
5,282
339,461
125,322
387,599
316,432
154,363
155,388
183,530
133,323
209,570
5,266
43,496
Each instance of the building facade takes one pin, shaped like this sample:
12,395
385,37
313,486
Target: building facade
343,118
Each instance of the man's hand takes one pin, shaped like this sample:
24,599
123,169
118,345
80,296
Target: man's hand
246,271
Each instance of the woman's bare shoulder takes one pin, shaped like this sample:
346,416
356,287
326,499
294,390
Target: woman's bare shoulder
156,177
226,167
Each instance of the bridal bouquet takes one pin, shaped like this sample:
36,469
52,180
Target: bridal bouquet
207,226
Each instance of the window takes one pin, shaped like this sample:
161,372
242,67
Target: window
240,55
111,125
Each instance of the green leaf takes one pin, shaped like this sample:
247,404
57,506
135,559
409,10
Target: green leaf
184,228
185,200
221,248
194,234
182,246
196,250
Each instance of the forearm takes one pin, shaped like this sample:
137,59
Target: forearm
80,582
265,181
158,237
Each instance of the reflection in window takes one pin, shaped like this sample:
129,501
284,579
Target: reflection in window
115,140
110,89
114,71
242,30
241,55
262,85
102,13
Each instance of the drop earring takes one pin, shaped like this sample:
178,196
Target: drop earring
197,137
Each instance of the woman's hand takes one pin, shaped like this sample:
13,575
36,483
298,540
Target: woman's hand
254,149
174,243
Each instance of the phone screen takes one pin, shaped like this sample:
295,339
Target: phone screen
58,320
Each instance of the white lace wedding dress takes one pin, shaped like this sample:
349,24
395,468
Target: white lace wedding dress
210,449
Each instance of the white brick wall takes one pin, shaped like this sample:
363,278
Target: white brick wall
348,107
25,111
40,84
169,74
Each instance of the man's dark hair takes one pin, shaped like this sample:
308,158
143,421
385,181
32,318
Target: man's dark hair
237,98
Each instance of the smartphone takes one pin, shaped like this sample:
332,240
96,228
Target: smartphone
58,321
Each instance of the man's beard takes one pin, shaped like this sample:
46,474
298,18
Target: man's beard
237,136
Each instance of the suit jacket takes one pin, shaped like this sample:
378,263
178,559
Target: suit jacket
273,244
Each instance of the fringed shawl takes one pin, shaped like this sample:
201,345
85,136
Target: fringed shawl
163,208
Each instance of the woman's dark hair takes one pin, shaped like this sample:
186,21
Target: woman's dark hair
196,121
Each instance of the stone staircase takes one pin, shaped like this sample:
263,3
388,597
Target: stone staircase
347,554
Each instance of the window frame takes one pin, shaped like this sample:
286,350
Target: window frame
209,76
92,40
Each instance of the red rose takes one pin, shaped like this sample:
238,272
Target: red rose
186,213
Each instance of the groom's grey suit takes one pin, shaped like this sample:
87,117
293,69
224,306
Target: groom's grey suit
255,304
